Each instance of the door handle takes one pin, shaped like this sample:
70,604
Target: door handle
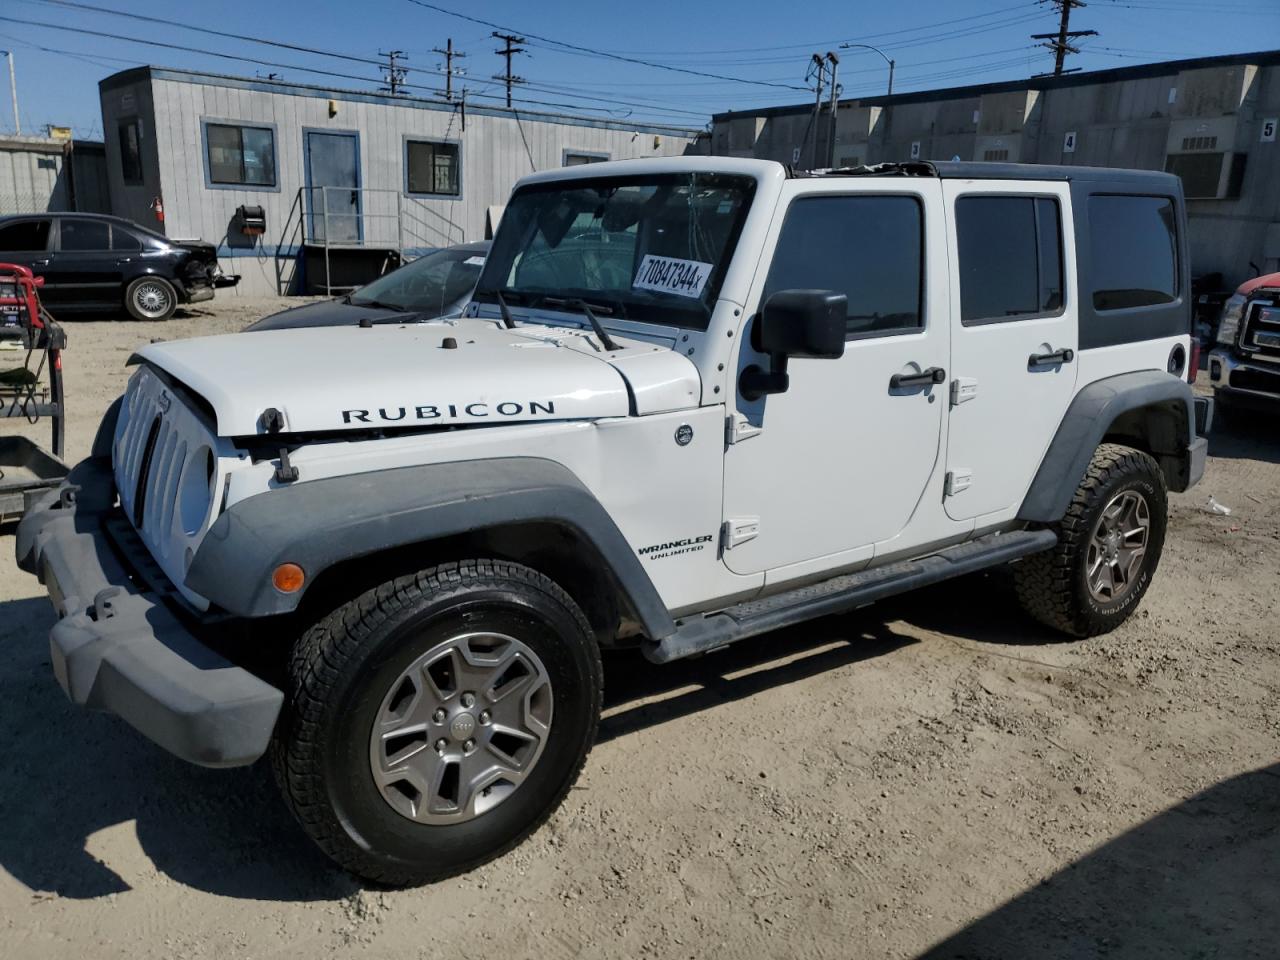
924,378
1051,359
40,263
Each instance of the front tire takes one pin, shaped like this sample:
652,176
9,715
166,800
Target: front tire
151,298
1109,545
436,721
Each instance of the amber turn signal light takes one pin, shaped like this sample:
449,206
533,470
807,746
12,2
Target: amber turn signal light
288,578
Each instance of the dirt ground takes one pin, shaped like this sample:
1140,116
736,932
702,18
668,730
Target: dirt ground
932,776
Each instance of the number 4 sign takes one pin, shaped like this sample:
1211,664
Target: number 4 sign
1269,130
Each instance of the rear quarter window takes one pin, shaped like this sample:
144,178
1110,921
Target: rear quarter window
1135,251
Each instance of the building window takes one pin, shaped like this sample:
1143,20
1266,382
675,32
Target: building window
869,248
432,168
1133,251
1010,258
578,158
130,151
241,155
996,156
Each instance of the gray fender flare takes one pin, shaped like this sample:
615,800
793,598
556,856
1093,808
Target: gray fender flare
1088,420
319,523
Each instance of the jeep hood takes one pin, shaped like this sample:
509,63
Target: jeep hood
455,372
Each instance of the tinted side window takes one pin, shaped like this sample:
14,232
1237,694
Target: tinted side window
25,235
1134,251
86,235
122,239
869,248
1010,257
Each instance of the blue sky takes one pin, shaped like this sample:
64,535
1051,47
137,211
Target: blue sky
757,50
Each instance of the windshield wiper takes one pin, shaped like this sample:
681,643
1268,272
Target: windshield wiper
507,320
379,305
585,307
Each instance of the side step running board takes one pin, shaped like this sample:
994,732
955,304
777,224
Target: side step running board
841,594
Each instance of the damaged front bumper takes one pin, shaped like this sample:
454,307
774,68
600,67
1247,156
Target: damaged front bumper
120,648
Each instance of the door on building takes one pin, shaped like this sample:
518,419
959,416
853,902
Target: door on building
1013,339
333,186
820,474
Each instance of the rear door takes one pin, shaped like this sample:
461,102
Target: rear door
84,271
1013,338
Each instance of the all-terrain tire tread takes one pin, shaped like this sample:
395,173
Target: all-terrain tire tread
315,667
1044,581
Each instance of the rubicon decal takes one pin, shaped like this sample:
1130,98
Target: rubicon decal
673,548
426,412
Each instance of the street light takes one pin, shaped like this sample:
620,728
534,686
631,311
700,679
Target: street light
867,46
13,90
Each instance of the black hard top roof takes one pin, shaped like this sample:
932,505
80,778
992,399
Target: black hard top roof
977,170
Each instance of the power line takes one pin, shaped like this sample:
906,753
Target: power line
315,70
600,53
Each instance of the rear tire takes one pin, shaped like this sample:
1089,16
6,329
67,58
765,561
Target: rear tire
1109,545
398,750
151,298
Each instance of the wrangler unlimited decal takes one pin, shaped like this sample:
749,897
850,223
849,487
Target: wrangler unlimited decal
450,411
660,551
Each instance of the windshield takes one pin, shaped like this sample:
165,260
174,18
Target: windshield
427,285
648,248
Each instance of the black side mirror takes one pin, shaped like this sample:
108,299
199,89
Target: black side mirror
794,323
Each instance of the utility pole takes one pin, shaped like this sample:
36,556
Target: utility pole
395,73
449,55
13,90
818,67
511,48
834,61
1060,42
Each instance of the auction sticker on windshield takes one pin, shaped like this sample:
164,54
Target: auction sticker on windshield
684,278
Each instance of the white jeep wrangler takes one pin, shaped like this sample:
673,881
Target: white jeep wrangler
692,400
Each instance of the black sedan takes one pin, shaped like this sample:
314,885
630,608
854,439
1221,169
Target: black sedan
94,262
437,284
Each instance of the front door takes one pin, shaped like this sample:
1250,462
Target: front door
819,475
1013,339
333,186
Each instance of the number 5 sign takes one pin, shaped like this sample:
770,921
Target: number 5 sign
1269,130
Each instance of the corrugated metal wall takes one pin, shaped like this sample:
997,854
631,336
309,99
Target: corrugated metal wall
32,178
1131,122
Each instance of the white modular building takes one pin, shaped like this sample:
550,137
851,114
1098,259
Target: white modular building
310,189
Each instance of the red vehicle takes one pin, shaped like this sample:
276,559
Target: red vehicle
1244,367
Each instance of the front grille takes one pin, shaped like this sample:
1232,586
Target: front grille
159,439
1260,333
1247,378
